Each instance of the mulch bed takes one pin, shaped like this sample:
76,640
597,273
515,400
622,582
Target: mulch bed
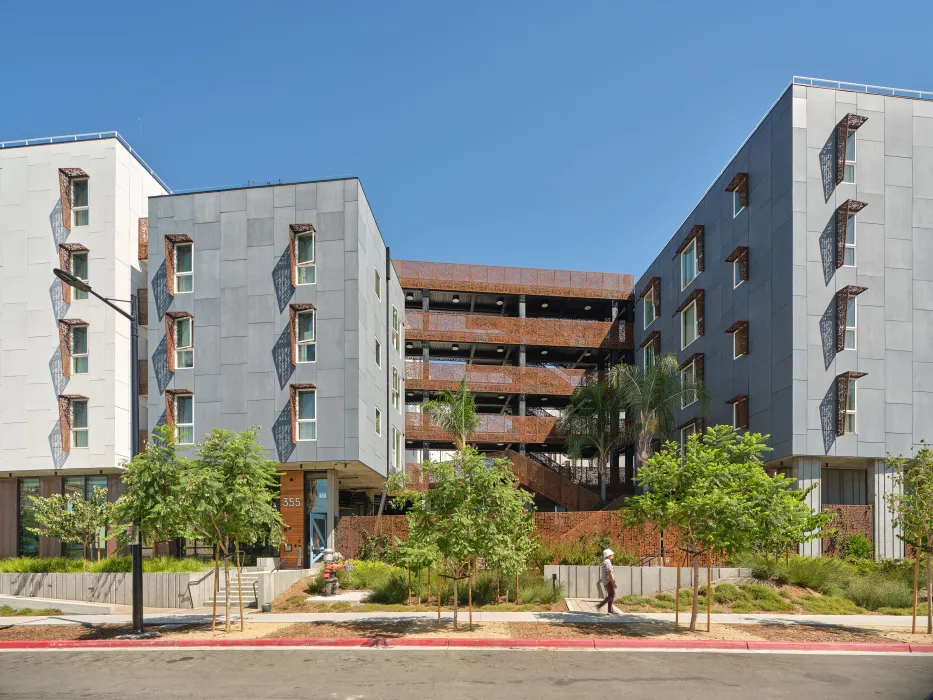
812,633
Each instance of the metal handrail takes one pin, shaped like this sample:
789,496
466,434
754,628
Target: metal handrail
862,87
94,136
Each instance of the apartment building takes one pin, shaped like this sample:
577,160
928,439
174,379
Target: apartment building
277,307
65,365
800,291
523,339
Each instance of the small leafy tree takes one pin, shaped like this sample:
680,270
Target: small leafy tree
72,518
454,412
785,519
712,491
594,420
911,505
469,511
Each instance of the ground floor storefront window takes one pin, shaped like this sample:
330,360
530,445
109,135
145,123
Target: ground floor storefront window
28,542
85,485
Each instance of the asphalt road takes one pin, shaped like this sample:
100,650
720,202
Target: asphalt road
450,675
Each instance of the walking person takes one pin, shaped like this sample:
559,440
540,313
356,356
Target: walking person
608,581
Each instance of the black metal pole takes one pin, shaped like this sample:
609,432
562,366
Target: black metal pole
137,546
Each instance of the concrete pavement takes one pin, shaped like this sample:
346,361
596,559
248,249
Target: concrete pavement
387,674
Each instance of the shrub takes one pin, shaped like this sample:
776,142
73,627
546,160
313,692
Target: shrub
829,605
895,611
109,565
634,600
819,573
874,592
858,547
764,598
391,590
535,590
725,593
7,611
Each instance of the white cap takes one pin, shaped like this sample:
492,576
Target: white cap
608,553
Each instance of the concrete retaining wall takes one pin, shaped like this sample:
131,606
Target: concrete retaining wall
271,584
159,590
582,581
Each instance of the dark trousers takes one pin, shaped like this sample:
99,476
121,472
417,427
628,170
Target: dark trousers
610,597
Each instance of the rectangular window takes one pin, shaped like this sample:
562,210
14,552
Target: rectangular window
307,415
851,318
688,318
685,433
378,353
737,273
378,422
736,203
79,349
396,331
184,343
851,404
736,418
378,285
304,336
649,307
849,258
396,450
79,268
79,199
28,545
688,265
850,158
84,486
688,378
304,243
184,419
79,437
737,342
396,389
184,268
649,357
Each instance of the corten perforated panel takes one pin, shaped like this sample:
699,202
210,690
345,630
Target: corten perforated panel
842,398
850,206
293,390
493,279
842,306
849,122
143,238
64,341
434,376
492,428
64,262
170,395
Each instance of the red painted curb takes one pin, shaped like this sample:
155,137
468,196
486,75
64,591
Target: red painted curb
428,642
827,646
921,648
669,644
551,643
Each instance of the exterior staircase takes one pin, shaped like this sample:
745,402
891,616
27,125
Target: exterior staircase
549,480
250,582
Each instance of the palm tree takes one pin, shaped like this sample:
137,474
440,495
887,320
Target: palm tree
594,419
650,399
454,412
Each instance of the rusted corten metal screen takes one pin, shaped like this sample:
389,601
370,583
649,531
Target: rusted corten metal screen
698,423
739,183
695,296
493,279
434,376
740,329
649,339
142,306
143,238
740,255
64,262
64,341
65,176
492,428
842,306
695,234
293,390
64,417
551,484
850,206
508,330
170,395
697,359
142,374
849,122
293,311
842,398
742,401
171,240
170,318
293,231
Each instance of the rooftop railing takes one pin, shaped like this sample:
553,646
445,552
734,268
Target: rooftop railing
860,87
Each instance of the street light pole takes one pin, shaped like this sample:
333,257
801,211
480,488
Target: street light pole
132,317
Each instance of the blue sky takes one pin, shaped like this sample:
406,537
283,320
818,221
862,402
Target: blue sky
547,134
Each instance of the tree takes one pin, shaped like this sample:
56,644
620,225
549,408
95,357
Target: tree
471,510
594,420
454,412
650,399
72,518
152,499
712,491
785,519
229,494
911,505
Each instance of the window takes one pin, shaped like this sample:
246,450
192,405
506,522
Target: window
378,353
305,258
737,273
688,318
396,450
307,415
79,208
650,358
849,175
184,268
84,486
304,336
649,307
79,269
686,432
79,349
79,437
851,315
849,255
28,544
736,416
396,389
184,343
688,265
378,285
184,419
396,331
851,403
737,205
688,380
378,422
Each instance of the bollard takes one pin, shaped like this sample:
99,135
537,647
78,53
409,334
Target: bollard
554,583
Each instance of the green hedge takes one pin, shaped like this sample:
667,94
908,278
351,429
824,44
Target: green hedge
110,565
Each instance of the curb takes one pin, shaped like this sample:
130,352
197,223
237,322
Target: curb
467,643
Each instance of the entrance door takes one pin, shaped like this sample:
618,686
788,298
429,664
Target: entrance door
316,504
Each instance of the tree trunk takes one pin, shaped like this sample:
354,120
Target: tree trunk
470,590
929,585
227,587
516,588
603,465
419,586
677,594
84,556
696,590
913,627
456,595
429,585
438,600
239,580
409,585
709,588
216,585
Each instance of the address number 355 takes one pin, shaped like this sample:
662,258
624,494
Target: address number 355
291,502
